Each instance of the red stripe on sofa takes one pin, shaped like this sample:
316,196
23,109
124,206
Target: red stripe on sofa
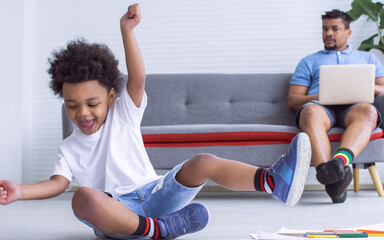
218,137
228,139
337,136
208,144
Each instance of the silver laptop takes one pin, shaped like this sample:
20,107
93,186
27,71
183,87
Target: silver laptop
346,84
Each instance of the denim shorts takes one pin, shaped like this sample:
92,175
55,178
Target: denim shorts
156,199
336,114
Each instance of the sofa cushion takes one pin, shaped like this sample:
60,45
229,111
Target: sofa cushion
336,133
216,135
199,135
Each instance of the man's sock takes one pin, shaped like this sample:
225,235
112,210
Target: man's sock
148,227
344,155
263,181
332,171
320,167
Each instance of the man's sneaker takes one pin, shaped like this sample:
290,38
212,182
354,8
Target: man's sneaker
290,171
192,218
330,172
338,191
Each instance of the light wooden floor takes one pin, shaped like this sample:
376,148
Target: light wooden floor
233,216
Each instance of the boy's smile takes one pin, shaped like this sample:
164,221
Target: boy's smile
87,104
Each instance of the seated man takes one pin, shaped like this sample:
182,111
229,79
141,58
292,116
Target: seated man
358,120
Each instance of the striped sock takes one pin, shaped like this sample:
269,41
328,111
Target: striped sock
263,181
344,155
147,228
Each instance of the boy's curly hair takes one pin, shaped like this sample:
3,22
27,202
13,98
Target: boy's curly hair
81,61
336,13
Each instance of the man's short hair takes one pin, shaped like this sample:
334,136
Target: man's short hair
336,13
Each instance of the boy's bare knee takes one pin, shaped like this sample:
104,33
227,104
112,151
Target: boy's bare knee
204,156
83,201
203,163
202,159
197,169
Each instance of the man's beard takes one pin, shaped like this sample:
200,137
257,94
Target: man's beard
330,48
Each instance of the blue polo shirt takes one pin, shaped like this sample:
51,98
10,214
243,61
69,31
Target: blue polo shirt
307,71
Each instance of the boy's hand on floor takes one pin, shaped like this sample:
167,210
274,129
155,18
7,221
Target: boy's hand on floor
9,192
130,19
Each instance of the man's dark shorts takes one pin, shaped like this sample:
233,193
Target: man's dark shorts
336,114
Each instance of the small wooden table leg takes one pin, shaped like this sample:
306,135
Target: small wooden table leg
355,178
376,180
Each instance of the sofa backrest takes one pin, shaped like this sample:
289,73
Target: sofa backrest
213,99
217,99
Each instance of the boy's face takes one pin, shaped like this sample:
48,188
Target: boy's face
87,104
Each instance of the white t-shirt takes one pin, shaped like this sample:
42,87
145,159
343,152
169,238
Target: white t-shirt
114,158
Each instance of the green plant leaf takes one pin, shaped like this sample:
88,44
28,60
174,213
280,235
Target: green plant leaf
381,42
368,47
381,14
375,12
379,6
364,7
354,14
370,40
365,47
381,48
368,43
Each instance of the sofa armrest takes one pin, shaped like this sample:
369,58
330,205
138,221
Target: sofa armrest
67,125
379,103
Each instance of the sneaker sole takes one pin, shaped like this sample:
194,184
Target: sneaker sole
301,171
208,213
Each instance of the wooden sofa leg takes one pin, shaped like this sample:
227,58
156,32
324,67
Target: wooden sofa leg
376,179
355,178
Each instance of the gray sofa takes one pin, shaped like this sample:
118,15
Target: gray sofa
236,116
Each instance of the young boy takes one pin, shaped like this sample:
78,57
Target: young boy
120,194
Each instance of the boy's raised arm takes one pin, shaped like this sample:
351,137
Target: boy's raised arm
10,191
133,58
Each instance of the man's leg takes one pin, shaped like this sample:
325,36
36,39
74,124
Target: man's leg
315,122
288,175
360,121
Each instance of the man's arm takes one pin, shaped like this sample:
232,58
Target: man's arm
379,85
10,192
297,97
133,58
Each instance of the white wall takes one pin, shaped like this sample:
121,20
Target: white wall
11,97
221,36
